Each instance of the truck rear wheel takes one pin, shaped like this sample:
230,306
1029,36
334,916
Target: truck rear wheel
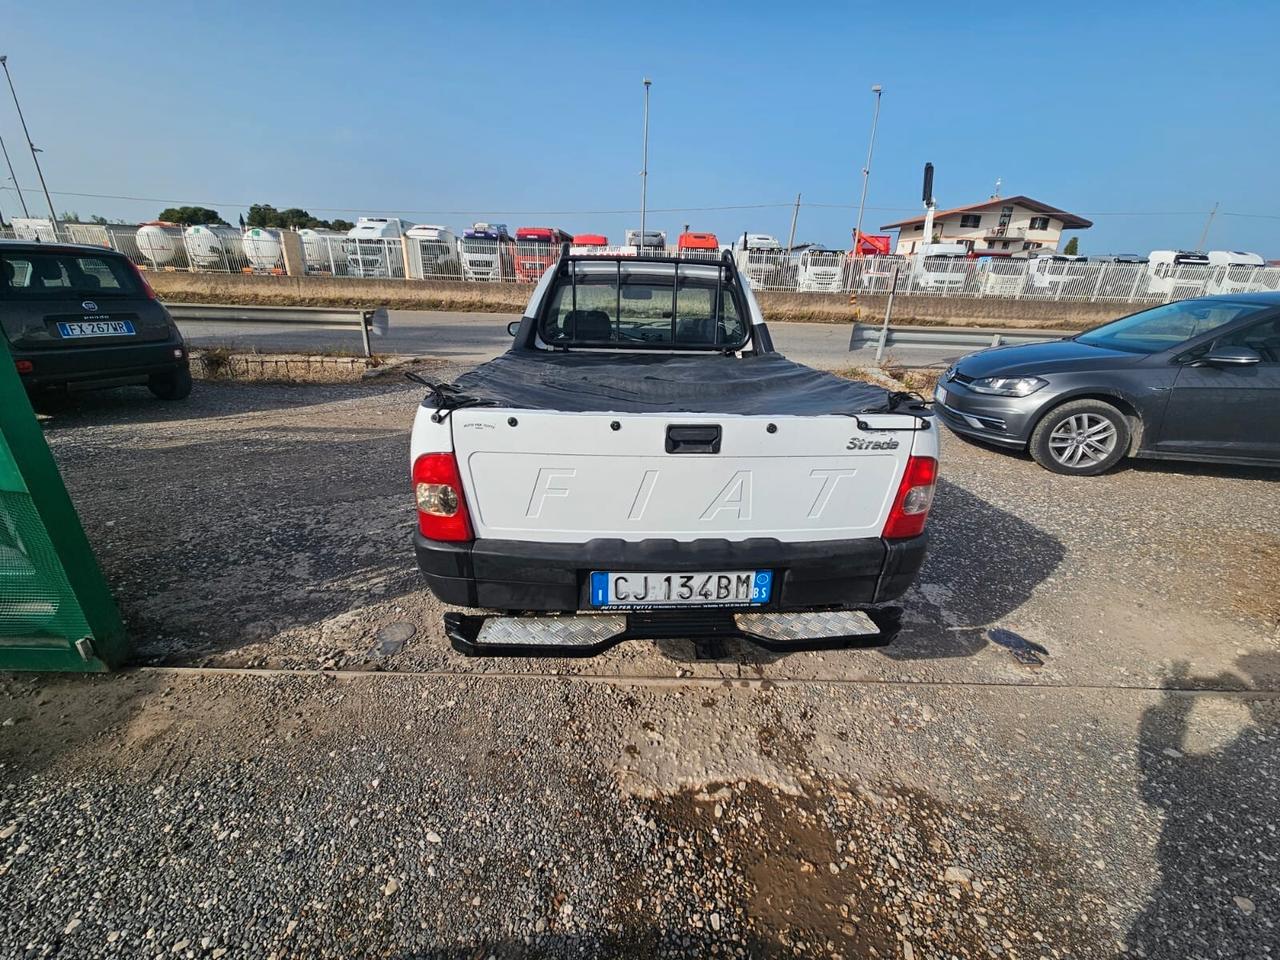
1081,438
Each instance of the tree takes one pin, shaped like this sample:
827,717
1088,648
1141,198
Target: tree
262,215
189,215
290,218
1073,247
99,220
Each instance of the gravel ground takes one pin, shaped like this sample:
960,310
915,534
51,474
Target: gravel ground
270,783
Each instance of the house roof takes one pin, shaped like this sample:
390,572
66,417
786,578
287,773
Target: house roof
1069,220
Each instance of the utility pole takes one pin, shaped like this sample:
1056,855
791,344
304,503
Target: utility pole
927,196
644,168
877,89
1204,234
14,177
795,215
4,62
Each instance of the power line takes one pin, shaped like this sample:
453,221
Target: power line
608,212
521,213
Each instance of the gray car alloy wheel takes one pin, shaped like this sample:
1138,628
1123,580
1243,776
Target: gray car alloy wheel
1082,440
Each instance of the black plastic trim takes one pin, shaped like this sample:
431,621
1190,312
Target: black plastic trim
553,577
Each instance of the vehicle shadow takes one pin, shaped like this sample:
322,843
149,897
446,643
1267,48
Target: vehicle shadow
1186,468
1218,851
983,563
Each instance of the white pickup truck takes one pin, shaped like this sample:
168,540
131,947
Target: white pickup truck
642,463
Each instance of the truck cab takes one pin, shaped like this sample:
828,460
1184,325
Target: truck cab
701,245
1177,274
433,252
821,270
537,248
942,266
373,247
589,243
651,242
1234,271
488,252
761,257
642,463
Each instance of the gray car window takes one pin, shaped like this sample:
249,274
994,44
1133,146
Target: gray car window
1164,327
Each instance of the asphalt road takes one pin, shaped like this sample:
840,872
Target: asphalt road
1071,751
475,337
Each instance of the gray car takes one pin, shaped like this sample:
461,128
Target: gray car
1192,380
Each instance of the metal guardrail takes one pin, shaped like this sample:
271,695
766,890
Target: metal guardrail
369,321
976,338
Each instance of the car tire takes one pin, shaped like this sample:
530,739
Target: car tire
171,386
1081,438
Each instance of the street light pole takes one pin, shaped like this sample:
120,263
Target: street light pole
4,62
14,177
644,168
877,89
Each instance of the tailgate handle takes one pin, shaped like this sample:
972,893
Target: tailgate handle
693,438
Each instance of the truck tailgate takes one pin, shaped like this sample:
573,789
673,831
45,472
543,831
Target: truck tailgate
569,477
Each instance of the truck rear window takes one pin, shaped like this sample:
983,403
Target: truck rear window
51,276
643,311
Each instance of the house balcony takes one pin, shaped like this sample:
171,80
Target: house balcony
1005,233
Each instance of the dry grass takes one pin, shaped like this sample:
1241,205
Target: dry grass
511,298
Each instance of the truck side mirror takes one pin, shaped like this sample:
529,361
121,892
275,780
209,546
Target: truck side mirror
513,327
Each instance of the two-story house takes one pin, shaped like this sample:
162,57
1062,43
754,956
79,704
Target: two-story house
1001,224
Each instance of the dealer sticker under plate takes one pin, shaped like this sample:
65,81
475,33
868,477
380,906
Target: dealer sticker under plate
727,588
95,328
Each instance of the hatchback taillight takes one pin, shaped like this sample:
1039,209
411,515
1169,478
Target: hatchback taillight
442,506
915,496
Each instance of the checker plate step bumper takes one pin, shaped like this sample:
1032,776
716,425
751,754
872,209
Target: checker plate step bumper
588,634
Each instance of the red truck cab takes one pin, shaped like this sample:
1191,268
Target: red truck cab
590,240
698,245
537,248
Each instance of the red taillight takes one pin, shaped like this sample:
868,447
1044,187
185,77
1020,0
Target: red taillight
142,279
915,496
24,366
442,507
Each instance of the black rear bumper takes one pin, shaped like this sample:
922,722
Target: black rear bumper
101,366
553,577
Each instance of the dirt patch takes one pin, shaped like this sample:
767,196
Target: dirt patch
842,870
1247,565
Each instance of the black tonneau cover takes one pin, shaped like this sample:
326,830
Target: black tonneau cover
586,382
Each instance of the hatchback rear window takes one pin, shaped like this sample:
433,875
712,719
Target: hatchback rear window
52,276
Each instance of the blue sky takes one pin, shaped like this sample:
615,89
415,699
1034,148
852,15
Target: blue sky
1138,117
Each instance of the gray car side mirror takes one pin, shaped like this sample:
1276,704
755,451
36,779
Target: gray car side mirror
1230,357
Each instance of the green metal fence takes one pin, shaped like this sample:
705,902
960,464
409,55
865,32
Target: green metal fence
56,611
